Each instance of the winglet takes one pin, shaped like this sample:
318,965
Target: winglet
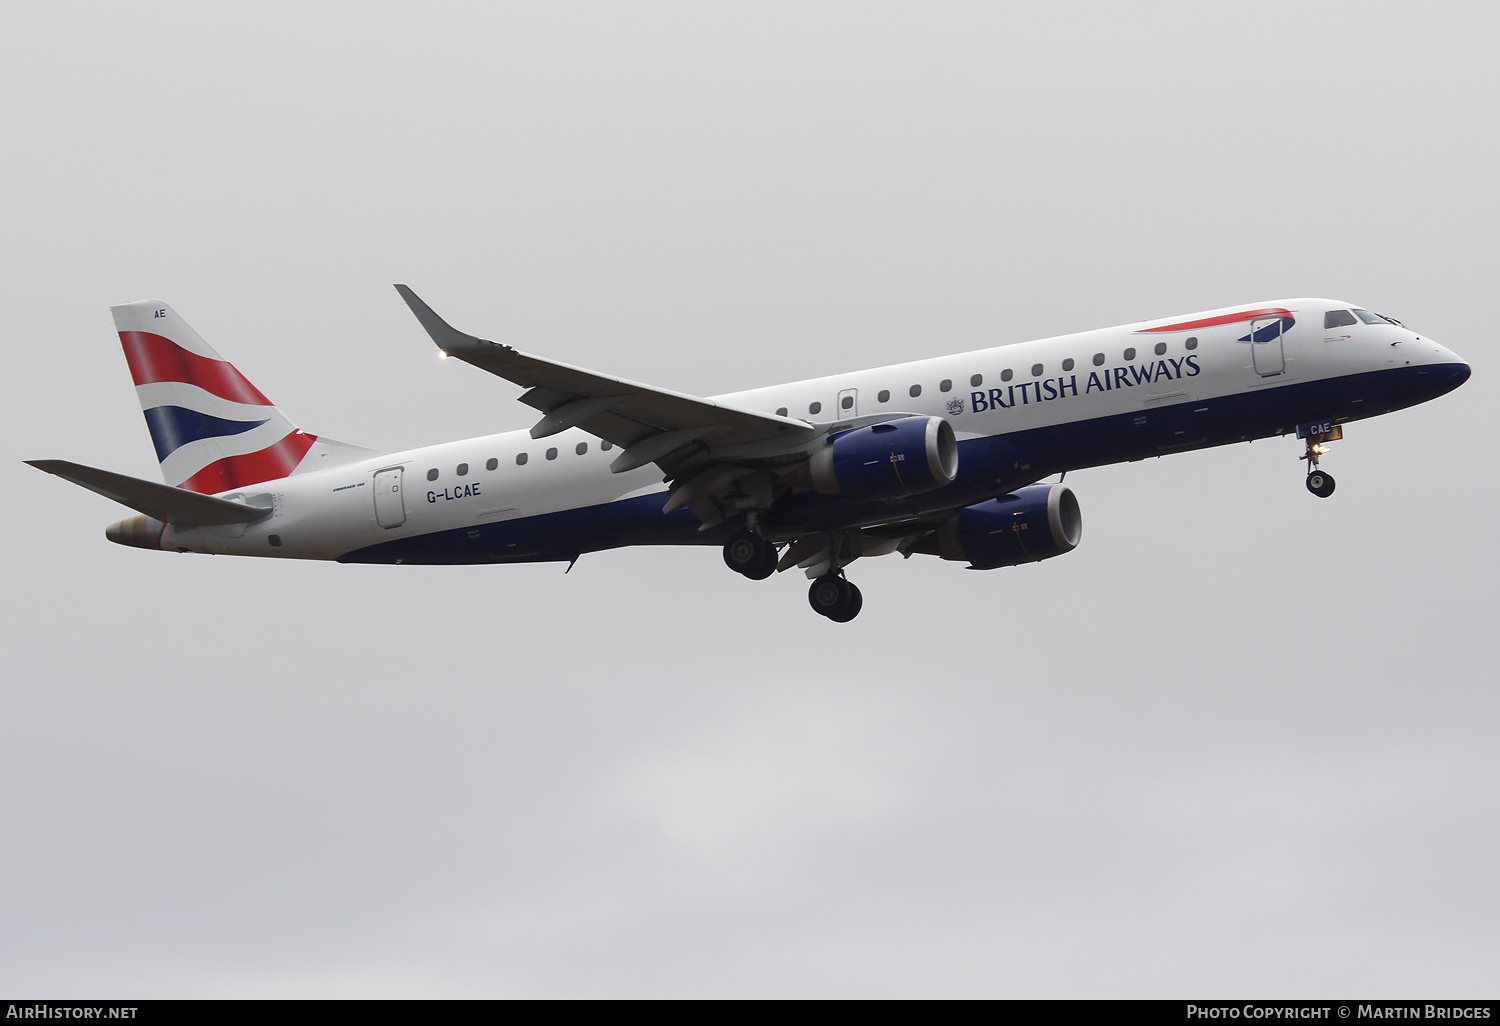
448,338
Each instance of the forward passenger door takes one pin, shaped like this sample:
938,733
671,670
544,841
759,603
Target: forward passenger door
1266,345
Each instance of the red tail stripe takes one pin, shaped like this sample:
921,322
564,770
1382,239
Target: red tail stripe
156,358
274,461
1209,322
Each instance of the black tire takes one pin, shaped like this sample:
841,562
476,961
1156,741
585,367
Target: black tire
767,565
856,603
749,554
1320,484
829,595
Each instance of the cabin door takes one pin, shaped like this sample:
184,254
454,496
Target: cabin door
390,507
1265,345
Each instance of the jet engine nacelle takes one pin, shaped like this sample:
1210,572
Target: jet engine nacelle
887,461
1026,526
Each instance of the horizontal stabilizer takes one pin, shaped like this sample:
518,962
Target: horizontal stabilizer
165,503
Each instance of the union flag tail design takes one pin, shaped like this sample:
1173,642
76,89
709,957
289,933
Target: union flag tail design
212,429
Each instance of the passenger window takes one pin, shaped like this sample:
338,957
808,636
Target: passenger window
552,454
915,391
781,411
463,468
581,448
1036,370
1130,354
1161,349
491,463
606,446
976,381
520,459
1337,318
946,385
1191,343
432,474
1068,364
884,396
1007,374
847,402
814,407
1098,359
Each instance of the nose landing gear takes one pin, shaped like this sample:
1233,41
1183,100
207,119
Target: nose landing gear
834,597
1318,435
1320,484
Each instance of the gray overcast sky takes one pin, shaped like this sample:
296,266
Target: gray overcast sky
1242,741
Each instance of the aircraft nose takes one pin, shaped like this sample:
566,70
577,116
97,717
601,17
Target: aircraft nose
1450,369
1451,374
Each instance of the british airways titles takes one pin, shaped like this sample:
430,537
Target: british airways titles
1067,387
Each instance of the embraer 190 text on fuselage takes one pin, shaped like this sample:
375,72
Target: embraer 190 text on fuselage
941,456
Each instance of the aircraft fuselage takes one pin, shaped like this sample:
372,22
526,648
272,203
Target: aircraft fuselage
1020,413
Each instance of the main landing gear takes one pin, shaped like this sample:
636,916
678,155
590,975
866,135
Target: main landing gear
750,554
834,597
830,595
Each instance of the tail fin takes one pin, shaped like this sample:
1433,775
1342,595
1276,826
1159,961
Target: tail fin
212,429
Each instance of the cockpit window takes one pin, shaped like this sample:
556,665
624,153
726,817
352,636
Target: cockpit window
1373,318
1337,318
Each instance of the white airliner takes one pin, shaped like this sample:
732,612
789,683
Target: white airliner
940,456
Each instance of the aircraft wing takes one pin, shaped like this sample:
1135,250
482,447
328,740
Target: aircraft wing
651,425
165,503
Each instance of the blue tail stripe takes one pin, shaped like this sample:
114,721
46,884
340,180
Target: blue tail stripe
173,427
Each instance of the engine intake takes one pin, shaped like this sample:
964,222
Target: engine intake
1026,526
887,461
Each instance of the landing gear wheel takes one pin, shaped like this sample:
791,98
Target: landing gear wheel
1320,484
767,565
751,555
835,598
856,603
